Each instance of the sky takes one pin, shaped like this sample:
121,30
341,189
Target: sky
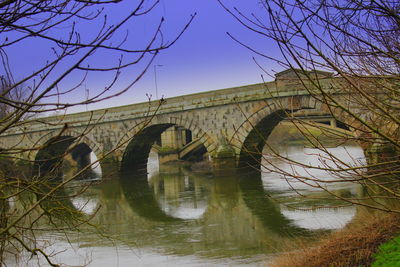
204,58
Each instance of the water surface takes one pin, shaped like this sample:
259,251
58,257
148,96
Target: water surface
174,216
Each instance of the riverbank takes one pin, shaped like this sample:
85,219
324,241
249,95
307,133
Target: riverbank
355,245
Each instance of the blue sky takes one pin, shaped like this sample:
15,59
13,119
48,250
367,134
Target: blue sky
204,58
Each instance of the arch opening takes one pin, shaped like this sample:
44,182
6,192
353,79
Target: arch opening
169,141
66,157
342,125
306,123
251,151
137,152
81,161
48,160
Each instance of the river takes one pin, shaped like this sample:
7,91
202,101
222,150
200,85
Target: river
178,217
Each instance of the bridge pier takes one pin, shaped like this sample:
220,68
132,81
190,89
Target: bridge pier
381,153
171,141
177,143
333,123
175,137
110,166
383,166
224,160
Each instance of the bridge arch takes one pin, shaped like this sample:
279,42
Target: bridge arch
135,145
251,136
54,145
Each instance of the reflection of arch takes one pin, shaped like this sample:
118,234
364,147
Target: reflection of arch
250,137
258,201
138,141
141,198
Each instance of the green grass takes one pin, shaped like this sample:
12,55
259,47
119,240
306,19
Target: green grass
388,254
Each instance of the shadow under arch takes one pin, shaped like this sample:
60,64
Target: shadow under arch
140,197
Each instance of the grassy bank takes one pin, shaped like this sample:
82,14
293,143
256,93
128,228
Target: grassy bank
355,245
388,254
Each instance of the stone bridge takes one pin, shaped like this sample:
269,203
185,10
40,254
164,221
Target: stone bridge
231,125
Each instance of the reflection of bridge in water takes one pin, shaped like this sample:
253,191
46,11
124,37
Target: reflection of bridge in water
235,217
230,125
142,198
230,215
